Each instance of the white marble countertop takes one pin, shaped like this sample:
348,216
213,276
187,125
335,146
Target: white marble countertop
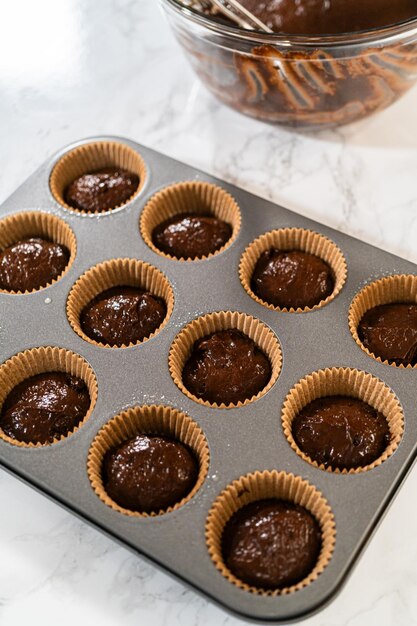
76,68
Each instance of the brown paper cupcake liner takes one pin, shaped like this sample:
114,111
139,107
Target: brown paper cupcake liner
260,486
38,361
147,420
339,381
114,273
196,197
293,239
399,288
36,224
262,336
89,158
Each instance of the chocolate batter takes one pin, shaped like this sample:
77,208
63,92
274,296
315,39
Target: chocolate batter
31,264
191,236
44,407
101,190
271,544
122,315
390,332
226,367
292,279
320,17
341,432
149,473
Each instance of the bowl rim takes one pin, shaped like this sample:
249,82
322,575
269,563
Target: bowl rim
387,34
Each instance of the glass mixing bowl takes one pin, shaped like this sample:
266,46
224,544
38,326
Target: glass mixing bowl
301,81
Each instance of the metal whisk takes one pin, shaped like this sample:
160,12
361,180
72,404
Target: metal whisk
232,9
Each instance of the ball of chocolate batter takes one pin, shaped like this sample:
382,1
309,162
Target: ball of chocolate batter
320,17
101,190
31,264
122,315
191,236
44,407
292,279
149,473
271,544
390,332
227,367
341,432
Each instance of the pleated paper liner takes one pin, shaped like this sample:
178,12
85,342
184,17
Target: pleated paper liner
38,361
114,273
260,334
196,197
293,239
340,381
265,485
37,224
89,158
401,288
147,420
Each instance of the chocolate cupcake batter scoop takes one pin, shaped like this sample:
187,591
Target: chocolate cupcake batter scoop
390,332
45,407
101,190
226,367
31,264
149,473
191,236
270,544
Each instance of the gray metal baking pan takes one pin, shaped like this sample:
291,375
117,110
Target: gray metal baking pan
240,440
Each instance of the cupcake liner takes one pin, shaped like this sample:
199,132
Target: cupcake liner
114,273
399,288
262,336
147,420
38,361
189,197
293,239
36,224
339,381
89,158
265,485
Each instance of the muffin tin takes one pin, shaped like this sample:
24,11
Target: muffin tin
241,440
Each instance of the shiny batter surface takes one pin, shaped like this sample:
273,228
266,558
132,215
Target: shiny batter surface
45,407
226,367
122,315
271,544
101,190
319,17
191,236
390,332
292,279
31,263
149,473
341,432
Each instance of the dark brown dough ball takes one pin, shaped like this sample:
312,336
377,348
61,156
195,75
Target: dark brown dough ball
292,279
341,432
45,407
271,544
191,236
390,332
101,190
226,367
31,264
149,473
122,315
